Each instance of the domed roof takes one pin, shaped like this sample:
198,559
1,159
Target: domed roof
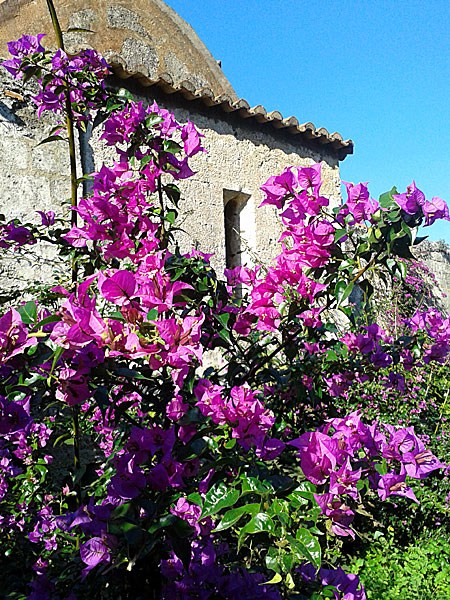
147,35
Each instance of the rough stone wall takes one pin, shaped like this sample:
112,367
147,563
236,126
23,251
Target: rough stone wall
147,34
152,40
436,255
32,178
240,157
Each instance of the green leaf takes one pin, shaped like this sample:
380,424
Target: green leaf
391,263
51,138
401,270
28,312
117,316
173,193
275,579
153,119
260,523
374,235
307,546
367,288
253,485
219,496
47,320
152,314
386,200
62,438
124,93
342,291
339,233
29,73
420,239
273,559
363,248
170,217
125,372
224,334
331,355
145,160
232,516
407,230
171,146
195,498
44,83
112,105
223,318
79,30
56,357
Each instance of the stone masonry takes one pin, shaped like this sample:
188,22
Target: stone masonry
156,55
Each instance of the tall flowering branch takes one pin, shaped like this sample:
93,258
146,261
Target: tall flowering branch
73,219
198,471
70,133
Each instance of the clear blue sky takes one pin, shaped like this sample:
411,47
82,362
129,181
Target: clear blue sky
377,71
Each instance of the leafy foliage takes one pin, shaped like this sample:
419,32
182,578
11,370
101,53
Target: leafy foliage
241,480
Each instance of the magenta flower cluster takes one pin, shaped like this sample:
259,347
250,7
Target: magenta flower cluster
122,350
353,454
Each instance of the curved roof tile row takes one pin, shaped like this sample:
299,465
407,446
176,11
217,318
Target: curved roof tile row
241,107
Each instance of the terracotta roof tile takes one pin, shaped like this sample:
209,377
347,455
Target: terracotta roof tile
241,107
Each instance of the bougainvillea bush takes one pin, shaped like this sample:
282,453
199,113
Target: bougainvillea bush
130,468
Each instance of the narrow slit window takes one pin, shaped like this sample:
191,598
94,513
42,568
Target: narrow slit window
239,220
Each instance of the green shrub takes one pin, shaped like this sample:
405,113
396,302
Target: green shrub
420,571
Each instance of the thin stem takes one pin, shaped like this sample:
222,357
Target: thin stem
442,412
73,222
76,449
291,337
70,134
162,214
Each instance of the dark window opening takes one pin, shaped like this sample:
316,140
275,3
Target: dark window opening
236,217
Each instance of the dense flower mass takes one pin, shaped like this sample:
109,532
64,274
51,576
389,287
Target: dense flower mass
197,477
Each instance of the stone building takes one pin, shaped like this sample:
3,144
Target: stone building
158,56
436,255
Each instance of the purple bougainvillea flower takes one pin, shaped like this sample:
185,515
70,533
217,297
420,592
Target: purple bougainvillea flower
48,218
27,44
359,203
419,461
128,482
346,584
344,480
393,484
19,235
402,440
340,514
145,441
279,186
310,177
380,359
13,336
76,237
176,409
119,288
270,449
188,512
191,139
412,200
72,387
318,455
434,209
13,416
95,551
